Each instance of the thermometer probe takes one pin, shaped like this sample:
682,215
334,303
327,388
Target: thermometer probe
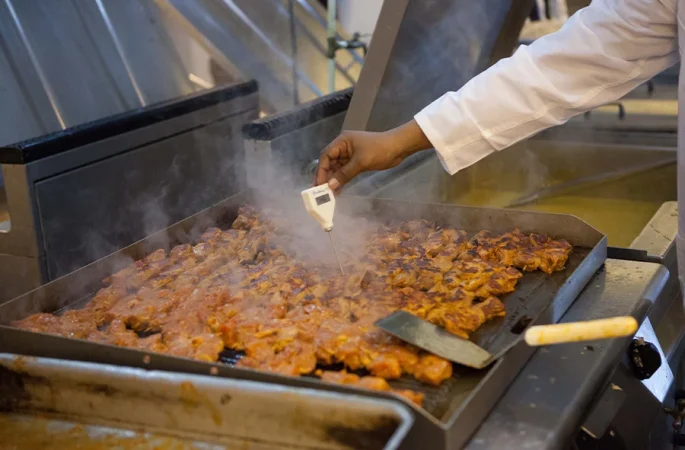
319,202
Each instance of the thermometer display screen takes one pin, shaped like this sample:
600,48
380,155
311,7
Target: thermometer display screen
323,199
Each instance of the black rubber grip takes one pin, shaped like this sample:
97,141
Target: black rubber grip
275,125
60,141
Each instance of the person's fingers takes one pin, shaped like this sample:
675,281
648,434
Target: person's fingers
322,171
333,184
331,159
343,175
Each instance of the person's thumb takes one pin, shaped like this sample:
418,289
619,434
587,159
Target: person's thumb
344,174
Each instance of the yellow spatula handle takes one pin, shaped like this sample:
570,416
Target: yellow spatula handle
581,331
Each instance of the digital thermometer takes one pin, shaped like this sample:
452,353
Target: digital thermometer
319,202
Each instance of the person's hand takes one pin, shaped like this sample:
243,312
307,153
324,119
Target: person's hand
354,152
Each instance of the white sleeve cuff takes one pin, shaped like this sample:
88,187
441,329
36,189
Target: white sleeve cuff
442,122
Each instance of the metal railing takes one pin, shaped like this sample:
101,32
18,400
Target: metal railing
284,44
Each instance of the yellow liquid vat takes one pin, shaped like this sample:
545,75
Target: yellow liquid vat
618,208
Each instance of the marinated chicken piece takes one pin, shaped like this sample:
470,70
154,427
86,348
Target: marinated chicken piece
458,314
385,366
433,244
406,355
501,282
212,236
341,377
247,218
418,229
104,300
145,312
401,274
203,346
373,383
118,334
152,343
492,307
482,278
433,370
412,396
390,241
428,276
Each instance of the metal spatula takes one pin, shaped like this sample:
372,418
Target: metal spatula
440,342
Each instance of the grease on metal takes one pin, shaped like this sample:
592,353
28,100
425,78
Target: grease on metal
192,398
19,431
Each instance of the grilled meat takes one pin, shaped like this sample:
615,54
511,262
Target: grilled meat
526,252
240,289
372,383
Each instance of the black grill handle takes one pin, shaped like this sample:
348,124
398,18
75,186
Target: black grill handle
270,127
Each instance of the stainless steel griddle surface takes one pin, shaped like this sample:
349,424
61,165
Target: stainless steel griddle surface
459,404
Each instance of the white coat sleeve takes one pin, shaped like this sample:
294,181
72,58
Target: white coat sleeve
600,54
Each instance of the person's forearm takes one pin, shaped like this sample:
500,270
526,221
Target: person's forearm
408,139
601,54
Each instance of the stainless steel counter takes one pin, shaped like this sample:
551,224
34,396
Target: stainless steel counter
559,385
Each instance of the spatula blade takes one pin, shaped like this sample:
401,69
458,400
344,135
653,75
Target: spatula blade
433,339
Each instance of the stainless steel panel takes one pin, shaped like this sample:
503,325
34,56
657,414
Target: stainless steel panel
70,62
25,275
29,112
82,403
155,69
245,106
158,184
21,237
222,30
423,49
67,56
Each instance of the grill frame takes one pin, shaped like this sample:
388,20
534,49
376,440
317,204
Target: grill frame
540,298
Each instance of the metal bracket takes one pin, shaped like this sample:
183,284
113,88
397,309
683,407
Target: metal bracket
599,420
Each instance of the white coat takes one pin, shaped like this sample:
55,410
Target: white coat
601,53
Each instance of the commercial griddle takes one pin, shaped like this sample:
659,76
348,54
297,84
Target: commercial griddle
451,412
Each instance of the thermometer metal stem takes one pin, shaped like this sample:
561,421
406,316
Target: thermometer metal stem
335,250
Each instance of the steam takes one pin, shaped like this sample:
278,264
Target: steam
215,167
277,184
